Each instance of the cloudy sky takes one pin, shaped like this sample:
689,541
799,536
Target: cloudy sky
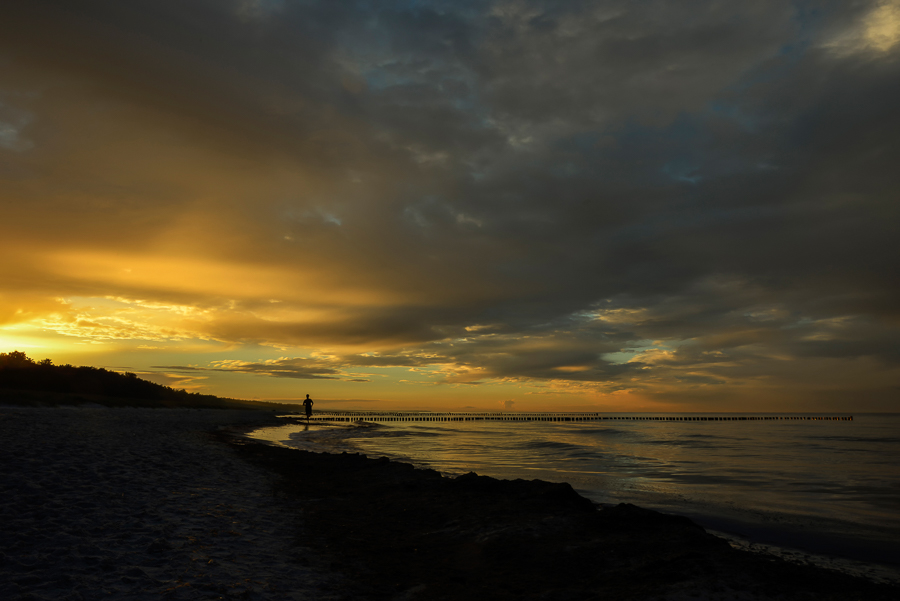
560,205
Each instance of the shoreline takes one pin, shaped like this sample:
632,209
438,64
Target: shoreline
873,559
520,539
176,503
852,555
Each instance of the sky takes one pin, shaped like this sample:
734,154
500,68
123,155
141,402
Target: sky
446,205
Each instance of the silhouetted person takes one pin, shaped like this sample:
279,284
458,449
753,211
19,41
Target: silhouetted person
307,404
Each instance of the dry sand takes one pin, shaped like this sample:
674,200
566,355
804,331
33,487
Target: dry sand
142,504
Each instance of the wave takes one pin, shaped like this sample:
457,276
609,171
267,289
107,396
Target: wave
876,440
549,444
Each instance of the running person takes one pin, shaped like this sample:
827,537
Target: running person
307,404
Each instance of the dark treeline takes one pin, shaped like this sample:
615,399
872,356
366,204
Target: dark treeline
18,372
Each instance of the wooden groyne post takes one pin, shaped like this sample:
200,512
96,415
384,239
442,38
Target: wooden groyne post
412,416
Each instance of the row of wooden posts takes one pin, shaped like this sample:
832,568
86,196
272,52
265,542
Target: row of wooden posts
524,417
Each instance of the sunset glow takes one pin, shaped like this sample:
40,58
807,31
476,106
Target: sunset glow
429,205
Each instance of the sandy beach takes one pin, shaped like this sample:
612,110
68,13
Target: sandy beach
171,503
142,504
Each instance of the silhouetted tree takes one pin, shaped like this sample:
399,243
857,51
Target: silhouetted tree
15,360
20,373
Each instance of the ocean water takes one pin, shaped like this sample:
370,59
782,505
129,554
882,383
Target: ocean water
819,491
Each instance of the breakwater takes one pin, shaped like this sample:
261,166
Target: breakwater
413,416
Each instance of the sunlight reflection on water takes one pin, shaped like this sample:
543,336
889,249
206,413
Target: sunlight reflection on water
816,481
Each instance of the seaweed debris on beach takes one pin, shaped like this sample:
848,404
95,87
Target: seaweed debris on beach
405,533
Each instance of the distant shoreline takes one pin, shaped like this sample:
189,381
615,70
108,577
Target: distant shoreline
26,382
38,398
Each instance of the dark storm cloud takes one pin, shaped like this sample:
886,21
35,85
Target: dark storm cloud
383,361
568,180
298,368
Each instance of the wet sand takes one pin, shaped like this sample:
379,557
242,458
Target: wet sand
151,504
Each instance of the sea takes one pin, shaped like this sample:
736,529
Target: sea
825,492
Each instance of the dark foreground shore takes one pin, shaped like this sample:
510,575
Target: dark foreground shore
403,533
137,504
143,504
